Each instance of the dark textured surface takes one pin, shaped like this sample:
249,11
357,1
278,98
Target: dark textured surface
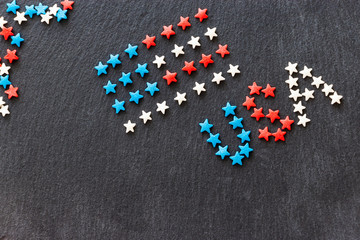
69,171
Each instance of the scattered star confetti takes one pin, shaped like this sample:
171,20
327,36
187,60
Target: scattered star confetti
6,32
109,87
194,42
170,77
223,152
206,60
308,94
119,106
273,115
67,4
214,139
286,123
279,135
151,88
258,114
303,120
211,33
125,78
2,22
101,68
180,97
17,40
12,7
222,50
129,126
298,107
201,15
40,9
4,110
249,103
269,91
295,94
291,68
264,133
292,82
317,81
20,17
12,92
149,41
135,96
114,60
177,50
237,158
255,89
199,88
142,69
233,70
189,67
53,10
61,14
327,89
4,69
218,78
145,116
244,136
335,98
5,81
184,22
159,61
229,109
168,31
11,56
246,149
162,107
46,17
206,126
306,72
236,122
131,50
30,11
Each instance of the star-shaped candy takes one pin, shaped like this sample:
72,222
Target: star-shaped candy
16,40
273,115
170,77
180,97
211,33
306,72
214,139
237,158
151,88
249,103
194,42
205,126
201,15
4,82
145,116
303,120
298,107
246,149
114,60
295,94
206,60
255,89
131,50
135,96
30,11
258,114
317,81
40,9
4,69
4,110
162,107
46,17
129,126
142,69
67,4
177,50
20,17
229,109
292,81
218,78
222,50
125,78
54,9
2,22
291,68
264,133
244,136
168,31
159,61
233,70
223,152
327,89
199,88
269,91
149,41
335,98
11,56
189,67
2,102
6,32
184,22
101,68
12,7
61,14
118,106
109,87
279,135
236,122
308,94
12,92
286,123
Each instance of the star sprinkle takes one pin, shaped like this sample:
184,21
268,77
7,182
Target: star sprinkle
201,15
244,136
4,82
4,110
168,32
291,68
180,97
159,60
109,87
135,97
327,89
11,56
292,81
236,122
30,11
199,88
46,17
222,50
177,50
249,103
233,70
145,116
20,17
114,60
125,78
7,32
258,114
306,72
308,94
16,40
4,69
40,9
237,158
211,33
269,91
142,69
279,135
245,150
101,68
151,88
61,14
53,10
170,77
119,106
335,98
255,89
223,152
189,67
303,120
2,22
286,123
131,50
129,126
229,109
2,102
161,107
218,78
206,60
273,115
194,42
214,139
264,133
317,81
184,22
149,41
12,7
12,92
295,94
298,107
206,126
67,4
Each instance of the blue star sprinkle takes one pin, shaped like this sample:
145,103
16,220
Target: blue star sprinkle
125,78
205,126
135,96
223,152
12,7
5,81
228,109
119,106
237,158
41,9
17,40
109,87
131,50
141,69
114,60
214,139
101,69
30,11
151,88
61,14
236,122
245,149
244,136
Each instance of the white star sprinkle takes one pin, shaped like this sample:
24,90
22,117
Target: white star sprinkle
233,70
308,94
129,126
2,101
298,107
317,81
2,22
291,68
161,107
199,88
20,17
295,94
306,72
4,110
4,69
54,9
211,33
145,116
292,82
303,120
335,98
194,42
180,97
46,17
327,89
159,60
177,50
218,78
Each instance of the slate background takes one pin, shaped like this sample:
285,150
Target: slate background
69,171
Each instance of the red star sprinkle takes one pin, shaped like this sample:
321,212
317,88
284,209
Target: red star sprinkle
269,91
67,4
279,135
11,56
257,114
249,103
223,50
7,32
170,77
12,91
206,60
264,133
168,31
201,15
184,22
189,67
149,41
286,123
273,115
255,89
